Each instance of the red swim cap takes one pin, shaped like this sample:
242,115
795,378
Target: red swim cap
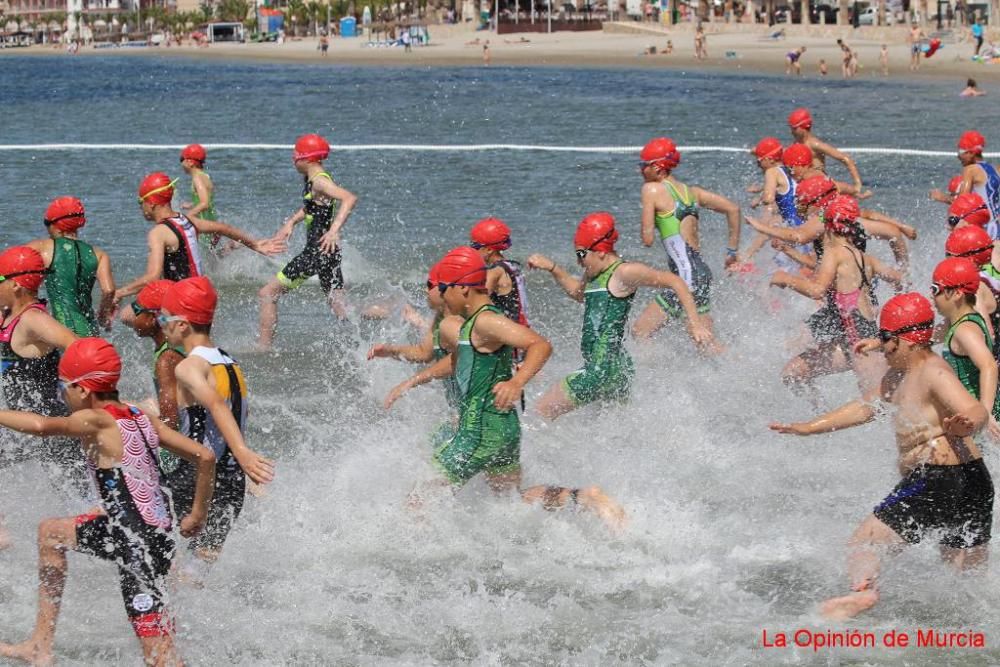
800,118
194,299
909,316
840,212
24,265
157,189
490,233
432,276
91,363
65,214
971,142
195,152
151,296
972,242
957,272
768,147
970,207
662,153
816,190
797,155
311,147
954,184
596,232
462,267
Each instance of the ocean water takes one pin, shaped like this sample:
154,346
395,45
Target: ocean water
733,530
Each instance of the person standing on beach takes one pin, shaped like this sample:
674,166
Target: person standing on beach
883,60
845,61
823,71
792,63
325,208
800,122
700,43
486,54
915,37
977,34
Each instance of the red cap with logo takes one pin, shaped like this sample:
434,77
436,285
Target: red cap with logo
800,118
24,266
157,189
768,147
797,155
193,299
463,267
92,363
908,316
971,142
311,147
596,232
194,152
151,296
65,214
969,207
490,233
958,273
661,152
972,242
954,184
816,190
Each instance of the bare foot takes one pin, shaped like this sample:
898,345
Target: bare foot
848,606
5,540
29,652
604,506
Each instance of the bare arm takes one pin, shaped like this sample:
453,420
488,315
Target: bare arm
154,264
852,414
415,354
770,191
44,327
493,330
440,369
264,247
839,156
572,285
80,424
648,227
807,232
719,204
204,195
190,376
347,201
203,459
287,227
888,273
106,281
166,368
966,415
969,338
813,288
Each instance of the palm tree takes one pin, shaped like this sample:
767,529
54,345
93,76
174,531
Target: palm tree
314,10
234,10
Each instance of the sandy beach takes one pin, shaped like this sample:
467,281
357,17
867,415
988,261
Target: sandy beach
738,48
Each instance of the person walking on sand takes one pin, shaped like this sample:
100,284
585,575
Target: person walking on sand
700,45
977,34
883,60
915,37
792,63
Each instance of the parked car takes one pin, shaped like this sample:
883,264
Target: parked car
870,17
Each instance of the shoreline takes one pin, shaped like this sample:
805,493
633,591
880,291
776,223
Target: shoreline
747,53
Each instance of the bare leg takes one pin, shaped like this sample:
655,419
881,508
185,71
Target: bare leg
590,498
800,371
966,559
649,322
505,483
160,652
715,348
268,296
55,537
338,303
554,402
5,540
863,564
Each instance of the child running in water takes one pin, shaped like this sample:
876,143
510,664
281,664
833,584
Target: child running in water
844,278
133,525
73,267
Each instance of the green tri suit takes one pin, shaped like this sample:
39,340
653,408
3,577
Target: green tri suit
964,368
69,284
488,440
682,259
607,371
207,241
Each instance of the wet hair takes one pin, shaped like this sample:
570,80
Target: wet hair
106,395
203,329
971,83
970,299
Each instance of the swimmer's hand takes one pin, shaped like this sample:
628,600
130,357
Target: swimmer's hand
993,428
381,351
780,279
542,262
255,466
395,394
795,428
506,394
187,206
192,524
939,196
328,242
754,188
863,194
863,347
285,232
269,247
958,426
908,231
700,334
